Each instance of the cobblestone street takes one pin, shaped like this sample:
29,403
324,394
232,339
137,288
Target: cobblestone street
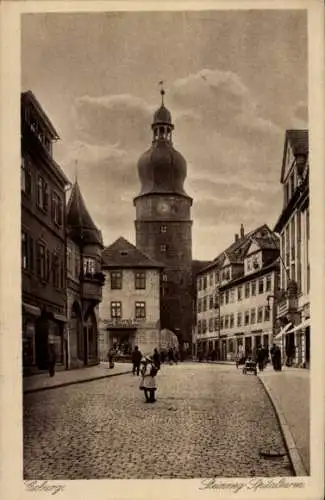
209,420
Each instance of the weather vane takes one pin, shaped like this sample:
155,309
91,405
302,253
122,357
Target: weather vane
162,91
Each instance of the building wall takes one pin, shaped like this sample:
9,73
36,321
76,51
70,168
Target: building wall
147,329
164,232
42,227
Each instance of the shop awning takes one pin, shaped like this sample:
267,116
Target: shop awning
34,310
303,324
283,331
60,317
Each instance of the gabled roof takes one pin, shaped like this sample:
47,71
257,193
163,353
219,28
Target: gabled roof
122,254
299,143
81,228
28,96
266,243
237,250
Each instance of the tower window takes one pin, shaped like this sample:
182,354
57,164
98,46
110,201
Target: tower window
163,248
164,277
163,228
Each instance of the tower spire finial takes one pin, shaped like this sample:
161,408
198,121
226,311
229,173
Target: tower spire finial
162,91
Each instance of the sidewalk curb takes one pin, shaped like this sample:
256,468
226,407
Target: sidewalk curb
290,444
74,382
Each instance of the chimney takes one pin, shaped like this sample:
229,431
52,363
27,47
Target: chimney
242,233
236,237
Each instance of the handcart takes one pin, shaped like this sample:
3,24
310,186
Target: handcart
250,367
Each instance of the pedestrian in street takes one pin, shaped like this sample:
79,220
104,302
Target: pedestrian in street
171,355
111,354
136,360
51,359
260,358
156,358
148,380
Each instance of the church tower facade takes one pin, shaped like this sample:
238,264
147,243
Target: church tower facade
164,226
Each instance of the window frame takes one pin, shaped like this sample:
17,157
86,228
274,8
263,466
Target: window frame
140,279
116,280
140,306
116,305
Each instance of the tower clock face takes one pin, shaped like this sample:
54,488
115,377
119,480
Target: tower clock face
163,207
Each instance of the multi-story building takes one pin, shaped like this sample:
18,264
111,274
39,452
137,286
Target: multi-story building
164,226
43,262
293,227
233,303
84,282
130,309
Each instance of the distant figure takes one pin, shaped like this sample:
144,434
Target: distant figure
111,354
176,355
260,358
136,357
51,360
171,355
276,357
148,380
156,358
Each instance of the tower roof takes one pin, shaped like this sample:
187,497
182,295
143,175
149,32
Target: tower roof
122,254
162,169
81,227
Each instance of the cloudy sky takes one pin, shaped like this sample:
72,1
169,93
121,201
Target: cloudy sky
235,80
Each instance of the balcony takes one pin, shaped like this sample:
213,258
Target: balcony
92,286
287,305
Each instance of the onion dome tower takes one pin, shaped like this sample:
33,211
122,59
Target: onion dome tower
163,223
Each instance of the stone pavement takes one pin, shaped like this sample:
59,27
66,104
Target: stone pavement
69,377
290,392
208,421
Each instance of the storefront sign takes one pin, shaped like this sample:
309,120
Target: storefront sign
120,323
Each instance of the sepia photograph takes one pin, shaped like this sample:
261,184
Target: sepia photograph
165,252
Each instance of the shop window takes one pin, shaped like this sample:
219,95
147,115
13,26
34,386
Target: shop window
140,280
116,280
116,310
140,310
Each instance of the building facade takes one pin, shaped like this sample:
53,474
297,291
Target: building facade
129,313
43,235
84,282
164,226
233,299
292,304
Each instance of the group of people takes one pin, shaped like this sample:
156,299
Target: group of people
261,357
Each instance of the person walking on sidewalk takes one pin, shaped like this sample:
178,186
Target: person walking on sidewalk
136,360
51,359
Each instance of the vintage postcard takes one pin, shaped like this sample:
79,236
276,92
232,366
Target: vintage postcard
162,249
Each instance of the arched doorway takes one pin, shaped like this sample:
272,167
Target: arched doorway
77,349
90,333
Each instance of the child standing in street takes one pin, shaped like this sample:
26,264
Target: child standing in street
148,380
